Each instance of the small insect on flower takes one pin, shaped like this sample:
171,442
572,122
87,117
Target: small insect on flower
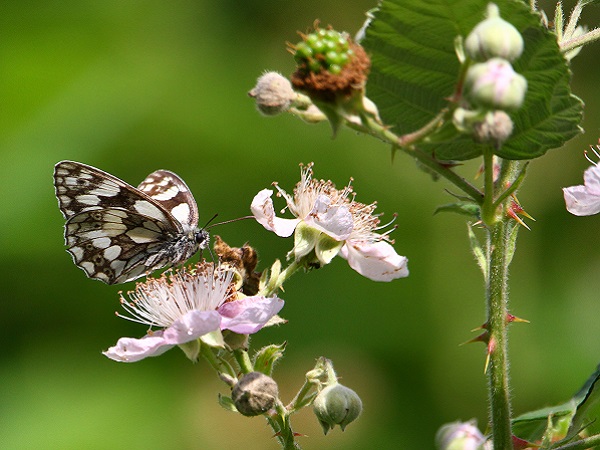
116,232
328,222
190,305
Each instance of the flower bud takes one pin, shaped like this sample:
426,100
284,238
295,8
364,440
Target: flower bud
273,93
255,394
494,37
459,436
495,85
495,128
336,405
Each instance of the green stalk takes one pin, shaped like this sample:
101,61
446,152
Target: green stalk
588,442
497,303
499,255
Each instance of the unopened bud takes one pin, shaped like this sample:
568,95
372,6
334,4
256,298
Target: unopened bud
459,436
255,394
495,85
495,128
494,37
273,93
336,405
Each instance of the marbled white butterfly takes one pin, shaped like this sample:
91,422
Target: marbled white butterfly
117,233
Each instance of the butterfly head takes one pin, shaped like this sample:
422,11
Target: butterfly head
202,238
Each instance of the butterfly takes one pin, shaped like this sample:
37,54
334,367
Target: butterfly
116,232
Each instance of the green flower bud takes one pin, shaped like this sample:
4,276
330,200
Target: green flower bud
495,85
495,128
492,126
459,436
255,394
336,405
494,37
273,93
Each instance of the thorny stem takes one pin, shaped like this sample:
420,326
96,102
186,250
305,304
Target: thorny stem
497,304
279,420
588,442
406,144
499,255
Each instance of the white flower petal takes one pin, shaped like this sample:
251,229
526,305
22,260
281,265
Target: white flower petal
377,261
335,221
191,326
591,179
250,314
580,201
264,213
132,350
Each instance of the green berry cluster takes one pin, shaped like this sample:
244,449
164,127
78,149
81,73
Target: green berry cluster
324,49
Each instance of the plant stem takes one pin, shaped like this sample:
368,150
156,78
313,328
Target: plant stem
497,301
280,423
243,360
406,144
588,442
273,286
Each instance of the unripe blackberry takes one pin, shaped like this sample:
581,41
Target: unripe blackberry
331,67
324,50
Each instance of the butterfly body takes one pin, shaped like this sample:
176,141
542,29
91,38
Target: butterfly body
116,232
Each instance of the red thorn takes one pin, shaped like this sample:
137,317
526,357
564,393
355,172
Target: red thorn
510,318
481,327
490,349
483,337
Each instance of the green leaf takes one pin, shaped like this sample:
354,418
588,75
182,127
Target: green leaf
265,358
573,414
478,252
227,403
465,208
415,70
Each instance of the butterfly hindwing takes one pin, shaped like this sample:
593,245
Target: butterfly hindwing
117,233
173,194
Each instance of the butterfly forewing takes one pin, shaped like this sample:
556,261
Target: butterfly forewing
117,233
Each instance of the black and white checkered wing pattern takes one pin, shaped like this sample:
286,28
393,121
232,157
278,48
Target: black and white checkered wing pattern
172,193
117,233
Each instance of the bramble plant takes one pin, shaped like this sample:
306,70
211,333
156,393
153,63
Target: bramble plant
492,82
487,81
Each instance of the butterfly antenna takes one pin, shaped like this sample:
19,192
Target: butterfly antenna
210,220
226,221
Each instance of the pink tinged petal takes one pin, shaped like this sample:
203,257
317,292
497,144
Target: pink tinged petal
264,213
377,261
132,350
580,201
191,326
591,178
335,221
250,314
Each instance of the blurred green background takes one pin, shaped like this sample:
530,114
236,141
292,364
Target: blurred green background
134,86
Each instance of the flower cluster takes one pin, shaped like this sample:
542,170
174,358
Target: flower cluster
190,306
328,222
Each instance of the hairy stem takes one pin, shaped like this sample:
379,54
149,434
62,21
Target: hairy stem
497,303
